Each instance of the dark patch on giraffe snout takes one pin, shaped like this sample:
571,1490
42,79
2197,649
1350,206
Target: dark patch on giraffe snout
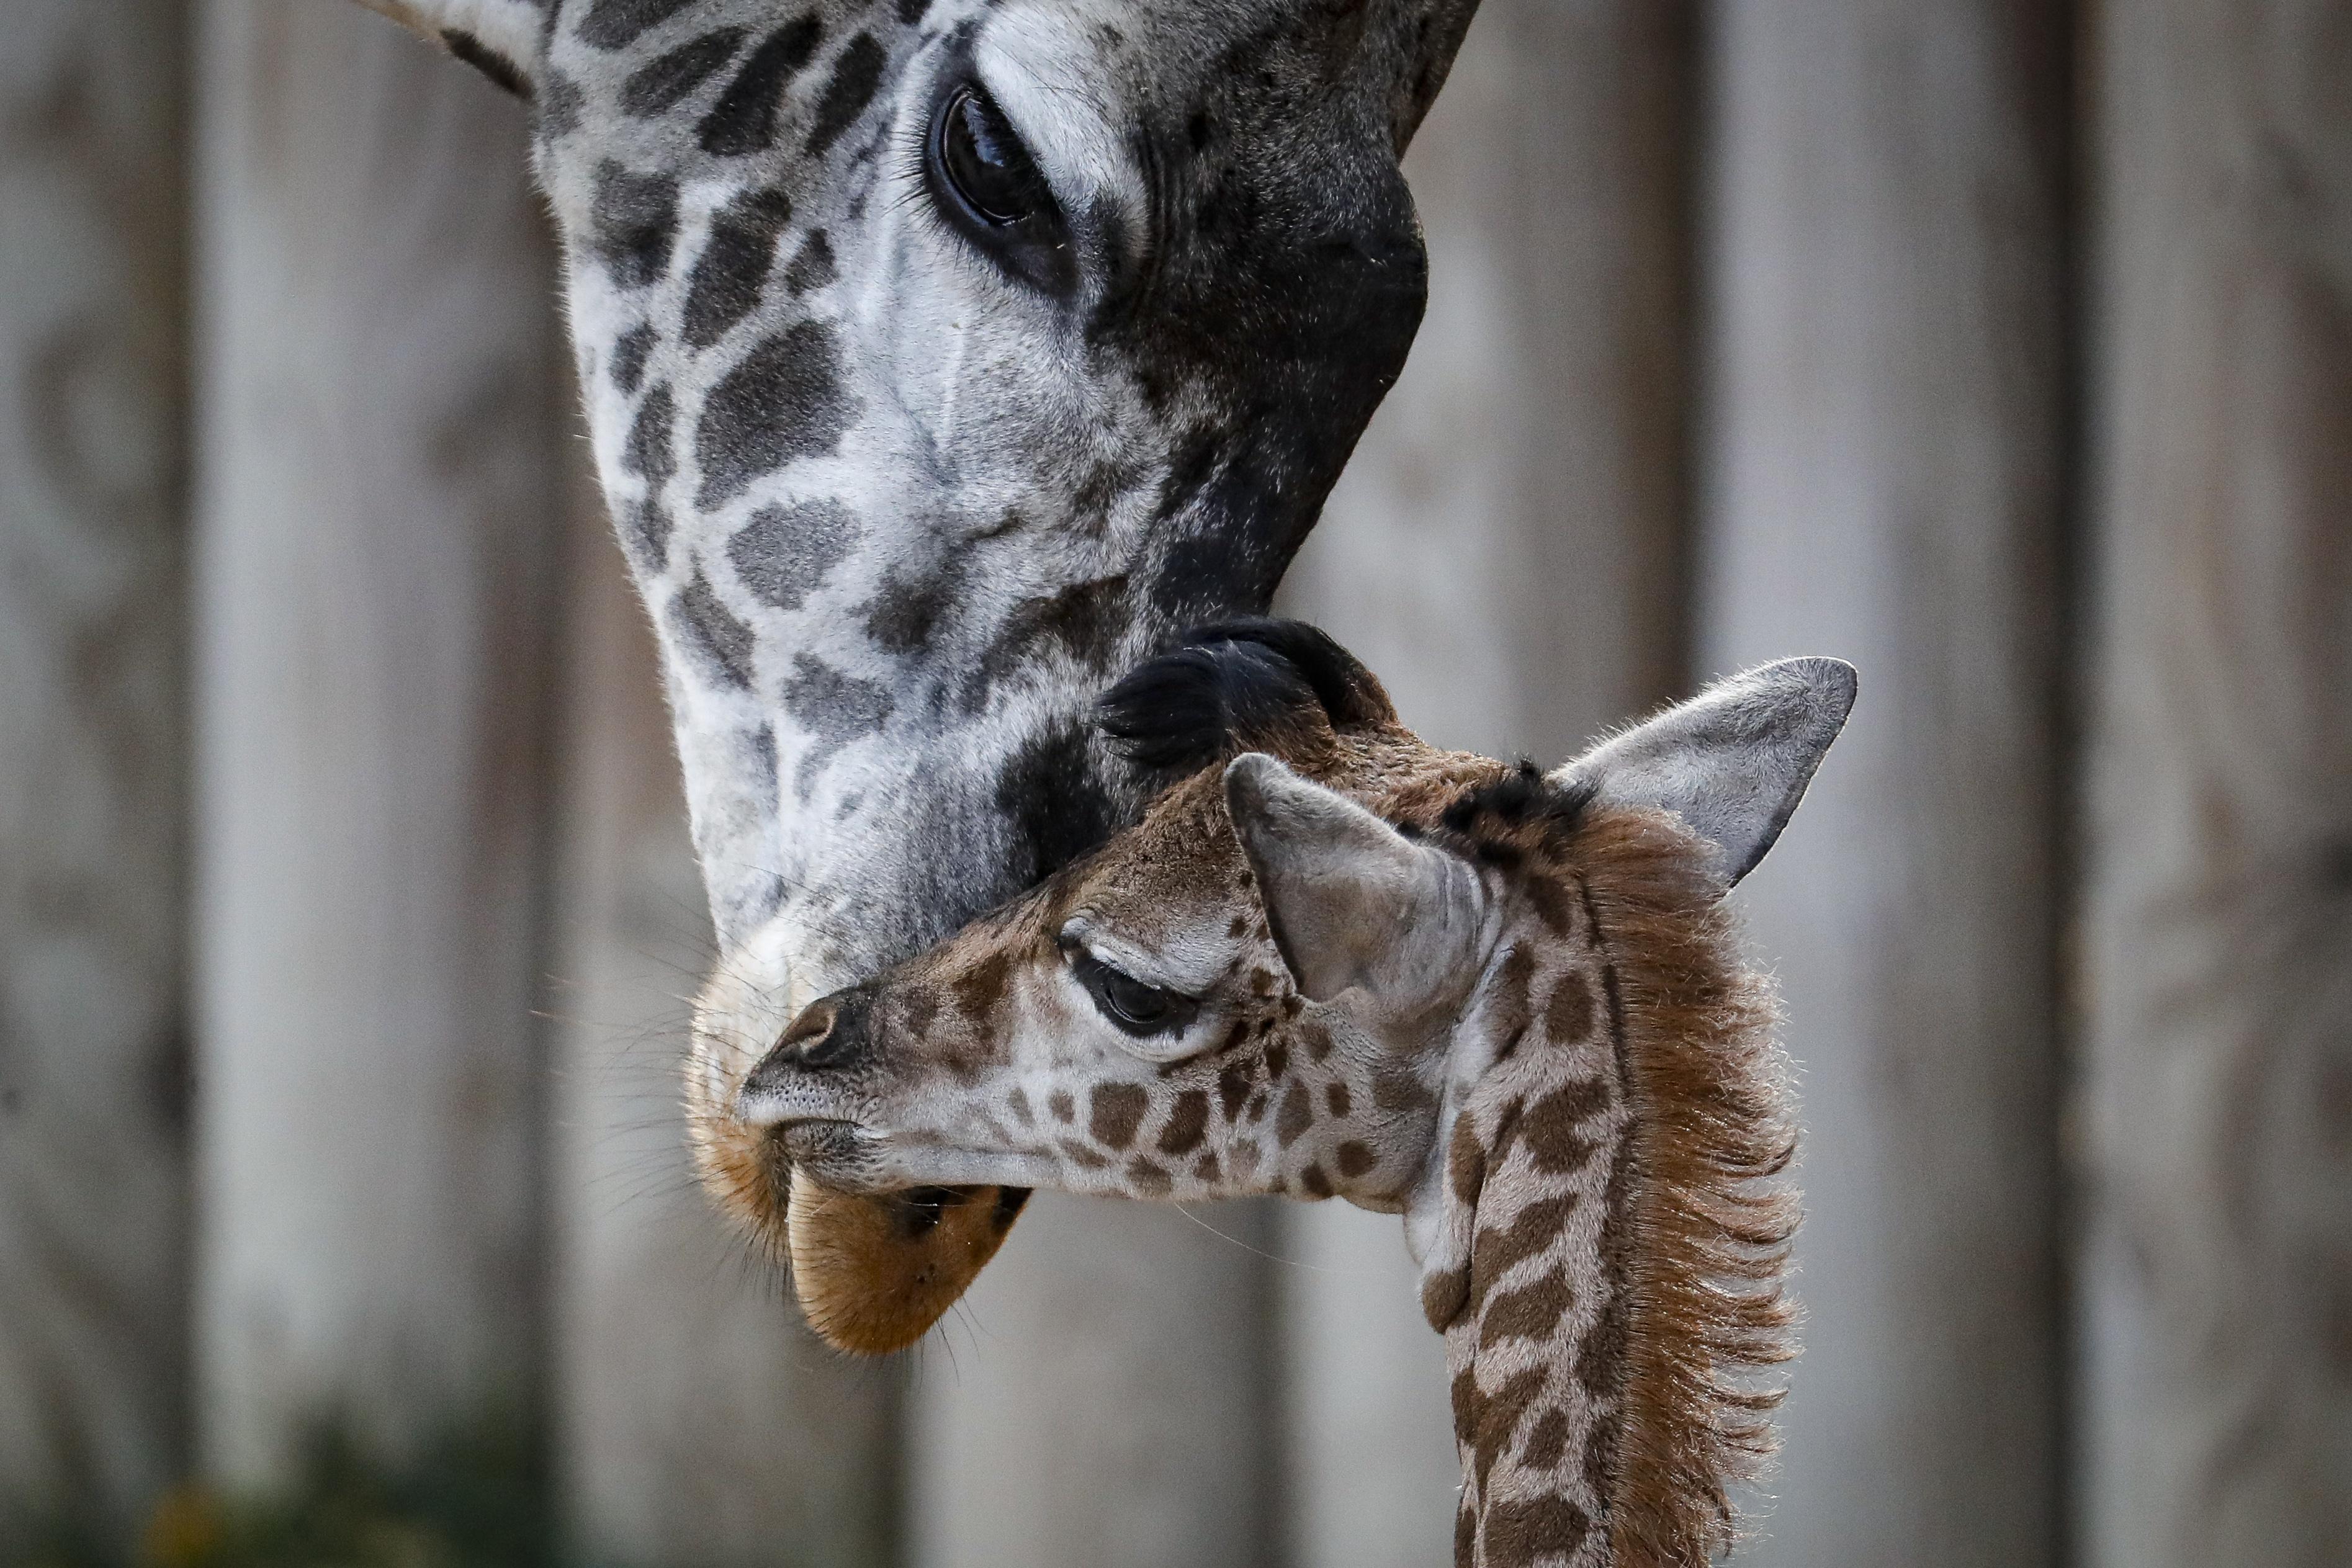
783,400
977,991
718,642
629,362
611,24
743,121
1054,797
733,267
783,553
661,86
855,74
835,709
647,452
633,223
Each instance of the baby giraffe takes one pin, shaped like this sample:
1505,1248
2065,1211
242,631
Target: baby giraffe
1332,960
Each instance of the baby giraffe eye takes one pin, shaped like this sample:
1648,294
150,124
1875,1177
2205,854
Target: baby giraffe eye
1131,1006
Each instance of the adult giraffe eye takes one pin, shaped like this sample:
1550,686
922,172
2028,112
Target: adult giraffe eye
989,188
1131,1006
984,163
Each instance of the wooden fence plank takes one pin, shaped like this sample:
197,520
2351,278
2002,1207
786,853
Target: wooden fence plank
93,1212
1885,481
699,1423
2214,1106
1507,551
376,443
1102,1398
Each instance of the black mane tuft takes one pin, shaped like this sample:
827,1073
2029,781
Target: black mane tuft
1522,796
1350,694
1237,684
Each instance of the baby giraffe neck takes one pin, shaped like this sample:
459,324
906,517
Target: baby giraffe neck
1539,1162
1610,1238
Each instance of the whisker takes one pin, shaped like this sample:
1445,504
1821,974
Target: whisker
1271,1257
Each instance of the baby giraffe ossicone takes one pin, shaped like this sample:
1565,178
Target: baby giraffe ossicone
1332,960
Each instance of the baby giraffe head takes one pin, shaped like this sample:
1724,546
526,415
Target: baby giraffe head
1335,961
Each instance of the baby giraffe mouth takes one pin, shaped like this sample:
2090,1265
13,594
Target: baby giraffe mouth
832,1152
874,1272
793,1151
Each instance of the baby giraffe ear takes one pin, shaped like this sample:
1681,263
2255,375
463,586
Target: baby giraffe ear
1733,761
1351,901
498,38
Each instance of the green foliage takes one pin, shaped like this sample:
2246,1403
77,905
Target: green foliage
475,1498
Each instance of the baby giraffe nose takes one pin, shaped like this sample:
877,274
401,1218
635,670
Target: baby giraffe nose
829,1033
818,1038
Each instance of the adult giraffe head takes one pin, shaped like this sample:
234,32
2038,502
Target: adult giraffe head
1510,1006
943,358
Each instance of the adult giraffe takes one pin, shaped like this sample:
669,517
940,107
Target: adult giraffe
943,358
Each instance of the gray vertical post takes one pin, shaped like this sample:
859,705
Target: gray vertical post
376,479
1886,480
92,761
2214,1105
1100,1399
1507,551
698,1422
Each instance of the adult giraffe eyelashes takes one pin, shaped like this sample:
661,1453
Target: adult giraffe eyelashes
985,183
983,161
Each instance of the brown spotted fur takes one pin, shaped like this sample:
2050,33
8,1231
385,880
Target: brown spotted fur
1700,1233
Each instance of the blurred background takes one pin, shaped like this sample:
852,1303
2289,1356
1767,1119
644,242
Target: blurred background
346,906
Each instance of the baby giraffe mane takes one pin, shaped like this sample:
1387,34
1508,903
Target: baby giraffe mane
1694,1234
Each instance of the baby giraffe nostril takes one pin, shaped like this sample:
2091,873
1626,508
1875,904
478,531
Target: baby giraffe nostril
830,1032
811,1039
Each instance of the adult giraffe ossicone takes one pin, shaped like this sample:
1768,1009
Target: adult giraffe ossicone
1333,961
943,358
